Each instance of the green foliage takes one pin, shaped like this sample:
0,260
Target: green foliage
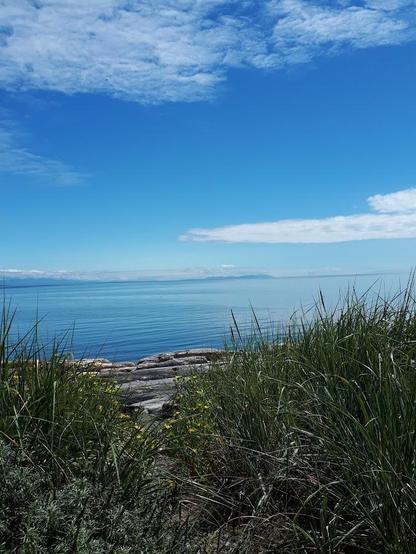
189,429
305,443
316,433
82,515
76,473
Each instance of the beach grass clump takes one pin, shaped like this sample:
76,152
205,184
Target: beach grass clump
76,473
309,444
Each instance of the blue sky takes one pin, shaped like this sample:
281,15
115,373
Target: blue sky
207,137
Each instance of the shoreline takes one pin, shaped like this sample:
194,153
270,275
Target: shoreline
149,383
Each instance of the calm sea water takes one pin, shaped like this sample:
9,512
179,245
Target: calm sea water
127,320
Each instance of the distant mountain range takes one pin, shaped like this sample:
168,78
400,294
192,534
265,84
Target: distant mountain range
7,282
22,281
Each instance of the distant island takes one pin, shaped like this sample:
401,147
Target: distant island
44,279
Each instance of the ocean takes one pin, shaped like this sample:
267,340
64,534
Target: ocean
128,320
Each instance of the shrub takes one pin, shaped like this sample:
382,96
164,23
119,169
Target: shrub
77,474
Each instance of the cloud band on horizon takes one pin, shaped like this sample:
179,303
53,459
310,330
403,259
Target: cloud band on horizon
394,218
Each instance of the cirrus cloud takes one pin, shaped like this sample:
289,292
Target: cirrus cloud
394,218
16,158
153,51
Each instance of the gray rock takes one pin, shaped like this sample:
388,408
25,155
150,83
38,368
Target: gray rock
185,371
165,363
206,352
153,406
149,384
94,361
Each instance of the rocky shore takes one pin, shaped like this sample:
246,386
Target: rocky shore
150,383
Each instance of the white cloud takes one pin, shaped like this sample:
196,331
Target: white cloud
389,5
143,275
306,29
12,277
169,50
403,201
146,51
153,51
19,272
395,218
18,159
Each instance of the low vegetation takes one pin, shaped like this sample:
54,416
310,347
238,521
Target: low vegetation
76,473
304,443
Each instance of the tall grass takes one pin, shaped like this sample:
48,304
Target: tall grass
311,443
76,474
299,443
